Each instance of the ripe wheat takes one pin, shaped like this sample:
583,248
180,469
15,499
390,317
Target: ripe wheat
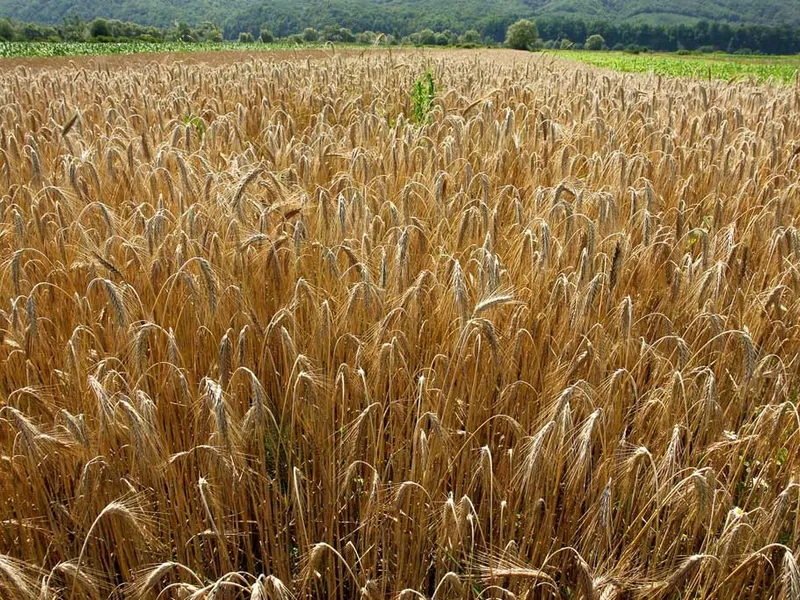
261,336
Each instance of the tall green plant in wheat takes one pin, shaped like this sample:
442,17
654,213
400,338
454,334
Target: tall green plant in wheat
422,96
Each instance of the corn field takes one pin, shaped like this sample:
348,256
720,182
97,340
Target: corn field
53,49
263,336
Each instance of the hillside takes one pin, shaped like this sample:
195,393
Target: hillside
399,16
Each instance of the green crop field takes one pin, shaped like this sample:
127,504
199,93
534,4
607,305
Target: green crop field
711,66
47,49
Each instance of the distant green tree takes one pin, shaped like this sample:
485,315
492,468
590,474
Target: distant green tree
6,30
426,37
595,42
266,35
207,32
183,33
334,33
310,34
566,44
522,35
73,28
245,37
493,27
31,32
366,38
99,28
329,33
471,36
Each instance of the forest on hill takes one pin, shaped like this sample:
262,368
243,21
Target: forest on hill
401,17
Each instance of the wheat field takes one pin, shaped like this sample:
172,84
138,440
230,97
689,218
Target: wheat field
264,337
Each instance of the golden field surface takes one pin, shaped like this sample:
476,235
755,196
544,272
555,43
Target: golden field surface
263,336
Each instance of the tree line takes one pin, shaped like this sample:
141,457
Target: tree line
551,32
702,36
